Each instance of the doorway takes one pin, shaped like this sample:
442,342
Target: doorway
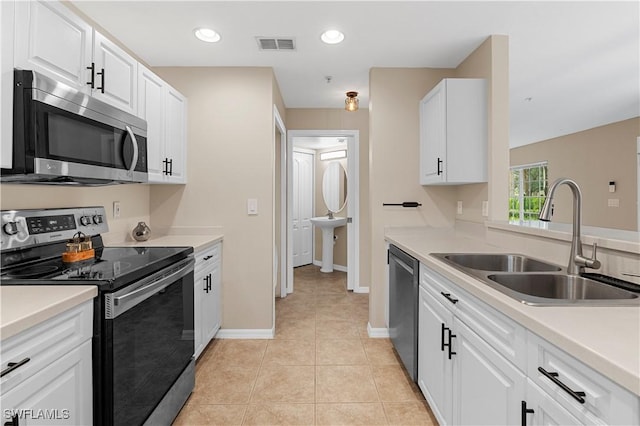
347,140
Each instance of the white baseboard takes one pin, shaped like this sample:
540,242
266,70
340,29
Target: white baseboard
377,332
336,267
240,333
361,290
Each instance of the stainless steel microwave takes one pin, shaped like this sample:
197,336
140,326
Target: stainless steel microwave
64,136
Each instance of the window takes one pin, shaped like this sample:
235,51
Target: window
528,186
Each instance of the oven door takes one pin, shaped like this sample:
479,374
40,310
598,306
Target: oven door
148,342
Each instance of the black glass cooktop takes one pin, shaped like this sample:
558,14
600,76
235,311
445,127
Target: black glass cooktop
113,267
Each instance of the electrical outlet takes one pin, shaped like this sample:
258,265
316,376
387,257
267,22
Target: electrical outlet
116,209
485,208
459,207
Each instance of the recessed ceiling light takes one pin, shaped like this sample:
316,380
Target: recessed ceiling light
332,36
207,34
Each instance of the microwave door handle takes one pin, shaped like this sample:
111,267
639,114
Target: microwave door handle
134,160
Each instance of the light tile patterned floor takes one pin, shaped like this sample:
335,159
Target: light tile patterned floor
321,368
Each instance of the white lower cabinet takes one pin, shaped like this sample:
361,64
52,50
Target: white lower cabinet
464,379
478,367
51,382
487,389
207,296
540,409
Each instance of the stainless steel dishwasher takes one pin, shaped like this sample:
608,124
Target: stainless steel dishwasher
403,307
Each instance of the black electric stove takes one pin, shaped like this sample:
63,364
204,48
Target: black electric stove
143,340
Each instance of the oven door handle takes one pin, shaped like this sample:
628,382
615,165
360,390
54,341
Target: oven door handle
117,304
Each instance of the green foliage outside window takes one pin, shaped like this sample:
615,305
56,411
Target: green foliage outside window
527,191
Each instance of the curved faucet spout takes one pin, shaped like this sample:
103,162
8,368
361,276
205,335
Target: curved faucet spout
577,261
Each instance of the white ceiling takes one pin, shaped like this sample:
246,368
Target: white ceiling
578,61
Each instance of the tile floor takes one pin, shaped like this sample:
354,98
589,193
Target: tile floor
321,368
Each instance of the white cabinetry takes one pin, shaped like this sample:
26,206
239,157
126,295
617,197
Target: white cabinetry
477,366
164,109
52,40
453,133
463,377
118,75
207,296
7,14
52,382
575,389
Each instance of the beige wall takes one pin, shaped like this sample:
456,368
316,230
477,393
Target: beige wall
231,157
134,202
339,119
491,62
394,155
592,158
394,168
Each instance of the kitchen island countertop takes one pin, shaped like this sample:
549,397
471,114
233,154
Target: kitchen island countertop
605,338
23,306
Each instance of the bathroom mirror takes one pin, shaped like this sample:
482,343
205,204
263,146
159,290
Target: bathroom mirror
334,186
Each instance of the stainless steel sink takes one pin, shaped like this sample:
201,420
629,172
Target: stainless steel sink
535,282
499,262
570,289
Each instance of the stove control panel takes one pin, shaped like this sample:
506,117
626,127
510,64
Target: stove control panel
24,228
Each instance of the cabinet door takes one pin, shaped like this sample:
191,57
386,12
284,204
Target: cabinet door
51,39
60,393
117,82
434,366
209,310
487,389
151,108
546,411
175,135
7,13
199,286
433,135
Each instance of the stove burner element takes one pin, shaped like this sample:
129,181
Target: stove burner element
33,271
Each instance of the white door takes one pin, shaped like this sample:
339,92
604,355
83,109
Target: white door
487,389
175,135
302,208
51,39
151,109
117,83
434,366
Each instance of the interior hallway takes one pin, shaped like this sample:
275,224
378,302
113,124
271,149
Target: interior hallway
321,368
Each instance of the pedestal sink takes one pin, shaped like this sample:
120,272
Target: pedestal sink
327,225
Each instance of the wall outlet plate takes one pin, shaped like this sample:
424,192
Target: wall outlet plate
459,209
116,209
485,208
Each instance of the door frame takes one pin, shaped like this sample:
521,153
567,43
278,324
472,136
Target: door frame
280,260
353,206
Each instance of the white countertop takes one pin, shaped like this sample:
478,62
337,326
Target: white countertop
23,306
605,338
198,242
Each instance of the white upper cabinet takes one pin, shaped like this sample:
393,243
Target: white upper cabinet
6,82
52,40
164,109
116,75
453,133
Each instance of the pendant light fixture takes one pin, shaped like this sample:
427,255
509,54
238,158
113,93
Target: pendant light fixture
351,102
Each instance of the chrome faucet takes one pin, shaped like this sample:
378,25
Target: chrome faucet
577,261
330,214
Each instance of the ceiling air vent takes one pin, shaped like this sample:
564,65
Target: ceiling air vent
275,43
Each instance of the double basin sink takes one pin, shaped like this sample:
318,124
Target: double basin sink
535,282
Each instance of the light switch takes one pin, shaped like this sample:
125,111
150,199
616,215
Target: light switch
485,208
613,202
252,206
